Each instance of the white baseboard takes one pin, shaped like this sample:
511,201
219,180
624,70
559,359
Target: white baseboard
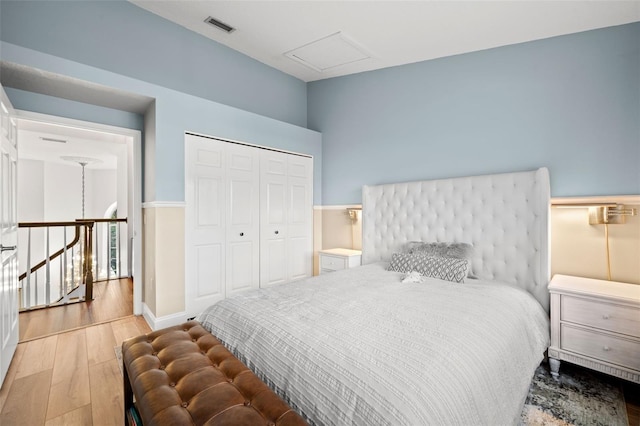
162,322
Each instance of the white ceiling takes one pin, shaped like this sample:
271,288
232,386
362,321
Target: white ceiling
389,32
100,146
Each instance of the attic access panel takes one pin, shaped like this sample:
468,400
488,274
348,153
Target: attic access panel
328,52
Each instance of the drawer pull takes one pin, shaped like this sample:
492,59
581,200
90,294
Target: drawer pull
606,316
606,348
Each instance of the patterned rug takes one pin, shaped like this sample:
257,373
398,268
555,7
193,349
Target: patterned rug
580,397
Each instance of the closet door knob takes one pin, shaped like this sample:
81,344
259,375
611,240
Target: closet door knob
242,234
277,232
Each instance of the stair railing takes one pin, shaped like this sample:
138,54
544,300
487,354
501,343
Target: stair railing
68,274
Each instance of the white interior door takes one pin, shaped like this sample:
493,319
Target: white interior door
286,253
222,225
273,222
243,218
300,217
8,235
205,222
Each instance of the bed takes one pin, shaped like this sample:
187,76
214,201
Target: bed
360,347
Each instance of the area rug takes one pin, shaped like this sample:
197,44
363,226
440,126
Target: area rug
580,397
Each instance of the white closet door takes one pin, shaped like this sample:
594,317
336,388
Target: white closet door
273,223
243,218
222,225
286,252
300,217
205,224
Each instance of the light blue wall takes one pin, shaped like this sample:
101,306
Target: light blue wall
198,85
177,112
120,37
569,103
43,104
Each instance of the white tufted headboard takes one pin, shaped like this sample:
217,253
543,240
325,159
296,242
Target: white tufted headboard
505,217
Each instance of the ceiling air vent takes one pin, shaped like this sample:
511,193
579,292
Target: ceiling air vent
219,24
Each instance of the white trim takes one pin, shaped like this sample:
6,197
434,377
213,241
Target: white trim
596,199
338,207
162,322
73,123
268,148
135,168
160,204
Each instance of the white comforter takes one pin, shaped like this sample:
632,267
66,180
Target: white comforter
360,347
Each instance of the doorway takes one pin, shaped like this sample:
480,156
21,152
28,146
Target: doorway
102,166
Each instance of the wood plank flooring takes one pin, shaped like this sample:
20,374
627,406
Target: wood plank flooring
112,299
632,398
71,378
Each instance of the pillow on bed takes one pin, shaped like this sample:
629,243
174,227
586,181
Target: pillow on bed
444,268
446,249
455,250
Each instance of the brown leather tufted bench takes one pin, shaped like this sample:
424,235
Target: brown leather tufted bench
183,375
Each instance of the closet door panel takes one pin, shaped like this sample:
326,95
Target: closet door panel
209,192
274,163
299,263
300,217
209,278
299,207
243,213
209,235
273,258
240,273
273,213
241,194
205,222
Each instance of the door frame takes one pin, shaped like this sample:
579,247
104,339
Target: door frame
134,186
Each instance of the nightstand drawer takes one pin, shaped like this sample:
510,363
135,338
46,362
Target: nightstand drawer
332,263
601,346
601,314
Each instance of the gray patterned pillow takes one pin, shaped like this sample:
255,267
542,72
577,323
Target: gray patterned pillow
446,249
444,268
456,250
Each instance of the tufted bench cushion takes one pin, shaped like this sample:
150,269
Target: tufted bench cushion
183,375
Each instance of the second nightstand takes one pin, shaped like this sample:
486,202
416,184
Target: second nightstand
596,324
338,258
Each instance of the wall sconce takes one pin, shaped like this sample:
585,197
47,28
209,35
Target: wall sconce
353,213
609,214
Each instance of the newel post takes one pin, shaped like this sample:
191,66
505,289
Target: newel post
88,261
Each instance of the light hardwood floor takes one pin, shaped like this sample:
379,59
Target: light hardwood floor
112,299
71,378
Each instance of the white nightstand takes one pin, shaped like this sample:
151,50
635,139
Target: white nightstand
596,324
338,258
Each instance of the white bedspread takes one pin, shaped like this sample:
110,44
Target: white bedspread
360,347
